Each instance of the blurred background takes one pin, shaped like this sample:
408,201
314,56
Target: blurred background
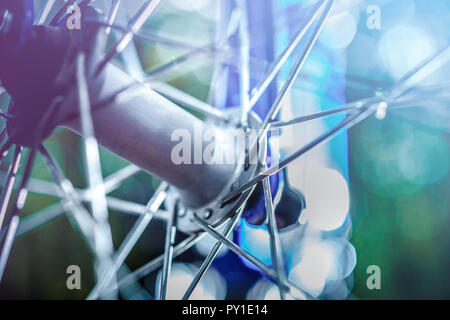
386,182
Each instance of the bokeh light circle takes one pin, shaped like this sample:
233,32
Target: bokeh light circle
327,196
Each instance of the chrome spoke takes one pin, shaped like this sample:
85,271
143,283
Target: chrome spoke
135,209
73,205
183,98
212,255
48,7
113,10
23,191
244,74
419,73
3,135
232,246
209,52
151,37
197,52
5,149
166,41
283,57
187,57
350,107
399,102
275,244
9,185
18,206
61,12
273,112
8,244
39,218
435,89
140,226
113,181
288,285
129,293
230,29
132,238
135,25
97,230
346,123
103,242
154,264
168,253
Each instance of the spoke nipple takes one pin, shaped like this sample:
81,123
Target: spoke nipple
235,186
381,110
208,214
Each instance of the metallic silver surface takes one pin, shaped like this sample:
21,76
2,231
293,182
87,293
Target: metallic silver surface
138,126
216,211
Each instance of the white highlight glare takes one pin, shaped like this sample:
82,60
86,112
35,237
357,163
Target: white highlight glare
381,110
339,31
403,48
205,246
327,196
320,261
266,290
273,293
316,264
255,239
211,287
189,5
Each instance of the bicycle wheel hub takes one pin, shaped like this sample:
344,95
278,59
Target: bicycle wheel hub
246,166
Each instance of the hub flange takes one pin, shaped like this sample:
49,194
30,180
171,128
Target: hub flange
215,212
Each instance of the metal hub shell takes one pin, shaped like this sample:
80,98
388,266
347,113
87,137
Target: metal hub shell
215,212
